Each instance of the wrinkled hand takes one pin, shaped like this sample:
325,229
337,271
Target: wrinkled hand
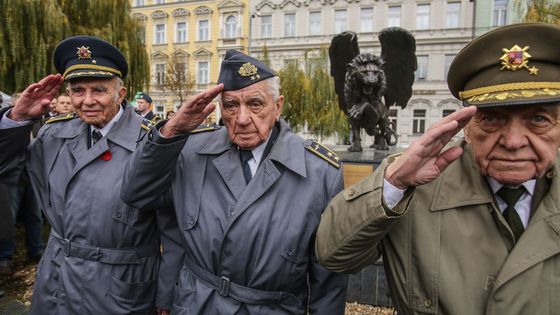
423,161
192,113
162,312
34,101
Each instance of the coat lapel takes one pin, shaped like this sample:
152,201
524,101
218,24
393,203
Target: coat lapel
288,151
123,134
227,162
541,239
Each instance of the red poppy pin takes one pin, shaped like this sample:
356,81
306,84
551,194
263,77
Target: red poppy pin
106,156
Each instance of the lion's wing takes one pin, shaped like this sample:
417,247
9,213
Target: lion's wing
344,47
398,49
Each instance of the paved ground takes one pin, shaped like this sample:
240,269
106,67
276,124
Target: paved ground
10,306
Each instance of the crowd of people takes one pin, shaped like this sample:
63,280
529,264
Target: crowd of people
245,217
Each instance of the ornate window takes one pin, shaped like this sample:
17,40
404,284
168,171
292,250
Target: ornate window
181,28
266,26
453,14
231,27
203,30
366,20
394,16
159,34
315,23
289,25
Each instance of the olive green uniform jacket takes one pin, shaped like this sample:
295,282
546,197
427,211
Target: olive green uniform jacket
446,247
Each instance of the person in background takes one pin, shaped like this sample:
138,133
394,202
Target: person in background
169,114
144,106
64,105
248,198
102,257
473,227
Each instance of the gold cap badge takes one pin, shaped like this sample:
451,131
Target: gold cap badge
84,53
249,70
517,58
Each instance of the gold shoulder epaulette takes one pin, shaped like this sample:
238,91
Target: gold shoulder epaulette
147,124
206,127
323,152
61,117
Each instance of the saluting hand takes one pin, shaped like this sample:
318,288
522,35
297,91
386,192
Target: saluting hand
192,113
423,161
34,101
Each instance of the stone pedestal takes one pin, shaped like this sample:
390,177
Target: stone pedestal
368,286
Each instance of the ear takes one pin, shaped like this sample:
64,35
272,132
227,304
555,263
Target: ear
467,132
279,105
122,94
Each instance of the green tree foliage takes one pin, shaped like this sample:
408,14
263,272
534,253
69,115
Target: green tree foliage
310,99
31,29
546,11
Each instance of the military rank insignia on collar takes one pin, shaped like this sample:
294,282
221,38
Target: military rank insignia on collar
147,124
249,70
517,58
205,128
323,152
61,117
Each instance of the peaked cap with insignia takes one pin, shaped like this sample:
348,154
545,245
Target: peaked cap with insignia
144,96
513,65
87,56
239,70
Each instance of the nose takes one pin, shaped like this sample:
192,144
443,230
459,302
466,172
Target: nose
88,98
514,136
243,116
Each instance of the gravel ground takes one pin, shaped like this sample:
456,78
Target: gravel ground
20,284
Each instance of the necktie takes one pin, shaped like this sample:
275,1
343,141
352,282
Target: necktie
511,196
95,136
245,156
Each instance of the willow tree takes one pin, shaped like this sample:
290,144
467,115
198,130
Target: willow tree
310,99
31,29
547,11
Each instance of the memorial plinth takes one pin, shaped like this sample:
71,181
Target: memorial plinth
368,286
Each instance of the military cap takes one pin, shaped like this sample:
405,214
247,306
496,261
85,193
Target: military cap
87,56
144,96
513,65
239,70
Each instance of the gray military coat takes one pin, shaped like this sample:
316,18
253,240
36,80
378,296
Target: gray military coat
102,256
248,248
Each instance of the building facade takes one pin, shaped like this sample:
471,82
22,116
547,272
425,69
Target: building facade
289,28
188,39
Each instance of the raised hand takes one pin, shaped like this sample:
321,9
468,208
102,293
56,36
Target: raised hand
423,161
34,101
192,113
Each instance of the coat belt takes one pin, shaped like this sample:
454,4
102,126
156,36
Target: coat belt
114,256
240,293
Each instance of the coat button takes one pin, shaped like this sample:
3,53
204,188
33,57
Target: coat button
290,252
119,215
428,303
351,191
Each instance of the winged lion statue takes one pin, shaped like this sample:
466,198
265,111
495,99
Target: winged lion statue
362,80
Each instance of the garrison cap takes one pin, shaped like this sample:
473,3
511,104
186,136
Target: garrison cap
239,70
144,96
513,65
88,57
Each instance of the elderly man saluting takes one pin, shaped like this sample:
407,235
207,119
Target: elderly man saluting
248,198
474,228
102,257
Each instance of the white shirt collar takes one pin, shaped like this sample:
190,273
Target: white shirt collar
105,130
257,155
495,185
